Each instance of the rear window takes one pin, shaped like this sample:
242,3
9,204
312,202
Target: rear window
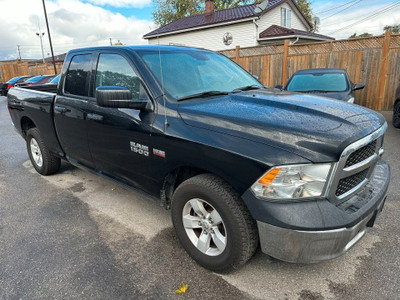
14,80
35,79
55,79
76,82
327,82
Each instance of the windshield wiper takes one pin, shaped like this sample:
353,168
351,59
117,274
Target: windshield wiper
203,94
247,88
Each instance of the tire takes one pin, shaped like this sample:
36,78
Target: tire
396,115
42,160
236,235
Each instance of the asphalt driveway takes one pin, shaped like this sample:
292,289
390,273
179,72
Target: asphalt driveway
78,235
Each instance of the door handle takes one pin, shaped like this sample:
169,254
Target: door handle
94,117
60,109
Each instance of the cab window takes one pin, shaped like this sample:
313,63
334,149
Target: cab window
77,75
114,70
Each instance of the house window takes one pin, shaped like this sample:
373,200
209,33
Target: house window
286,17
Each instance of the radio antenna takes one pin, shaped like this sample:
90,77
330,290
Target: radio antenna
162,85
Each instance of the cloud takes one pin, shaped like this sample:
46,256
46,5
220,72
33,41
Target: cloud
122,3
374,25
73,24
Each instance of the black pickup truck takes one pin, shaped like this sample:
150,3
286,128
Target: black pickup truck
237,163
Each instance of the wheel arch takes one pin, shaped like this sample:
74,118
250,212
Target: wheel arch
26,124
178,175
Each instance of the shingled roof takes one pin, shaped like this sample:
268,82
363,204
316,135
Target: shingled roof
279,31
216,17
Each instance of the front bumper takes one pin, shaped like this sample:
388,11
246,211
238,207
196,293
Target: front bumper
313,231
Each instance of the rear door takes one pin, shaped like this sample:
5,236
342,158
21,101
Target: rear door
119,138
72,107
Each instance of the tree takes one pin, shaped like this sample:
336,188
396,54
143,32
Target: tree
305,7
393,28
365,34
167,11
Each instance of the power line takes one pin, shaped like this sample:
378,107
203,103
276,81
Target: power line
358,1
386,8
335,7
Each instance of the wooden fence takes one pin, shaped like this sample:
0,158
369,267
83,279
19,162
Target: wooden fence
374,61
10,69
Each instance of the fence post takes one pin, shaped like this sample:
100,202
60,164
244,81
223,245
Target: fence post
384,65
285,61
237,55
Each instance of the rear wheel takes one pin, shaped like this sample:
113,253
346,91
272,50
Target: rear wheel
42,159
396,115
213,224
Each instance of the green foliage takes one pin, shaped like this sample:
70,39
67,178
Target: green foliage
393,28
365,34
167,11
305,7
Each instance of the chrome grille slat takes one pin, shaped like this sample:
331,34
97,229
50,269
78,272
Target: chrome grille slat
348,183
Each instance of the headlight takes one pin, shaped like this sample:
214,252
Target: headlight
292,182
350,100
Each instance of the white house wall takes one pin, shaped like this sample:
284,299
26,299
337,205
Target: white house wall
211,38
273,17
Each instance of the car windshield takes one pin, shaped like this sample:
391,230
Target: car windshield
325,82
188,72
55,79
35,79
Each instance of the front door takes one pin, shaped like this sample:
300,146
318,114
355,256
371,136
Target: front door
119,138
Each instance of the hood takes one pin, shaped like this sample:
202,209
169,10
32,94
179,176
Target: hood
315,128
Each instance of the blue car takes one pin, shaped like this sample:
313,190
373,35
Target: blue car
331,83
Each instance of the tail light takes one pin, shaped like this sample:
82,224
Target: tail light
9,86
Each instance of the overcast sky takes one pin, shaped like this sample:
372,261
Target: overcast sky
80,23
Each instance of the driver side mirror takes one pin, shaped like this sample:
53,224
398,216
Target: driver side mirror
358,86
118,97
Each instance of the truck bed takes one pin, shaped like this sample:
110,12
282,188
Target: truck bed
28,105
48,87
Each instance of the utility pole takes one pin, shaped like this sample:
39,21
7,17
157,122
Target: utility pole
110,42
48,32
19,52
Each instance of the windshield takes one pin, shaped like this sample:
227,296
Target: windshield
326,82
55,79
189,72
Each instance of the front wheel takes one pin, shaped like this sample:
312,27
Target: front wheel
42,159
396,115
213,224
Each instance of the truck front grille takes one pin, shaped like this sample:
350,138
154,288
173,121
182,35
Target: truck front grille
355,167
348,183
